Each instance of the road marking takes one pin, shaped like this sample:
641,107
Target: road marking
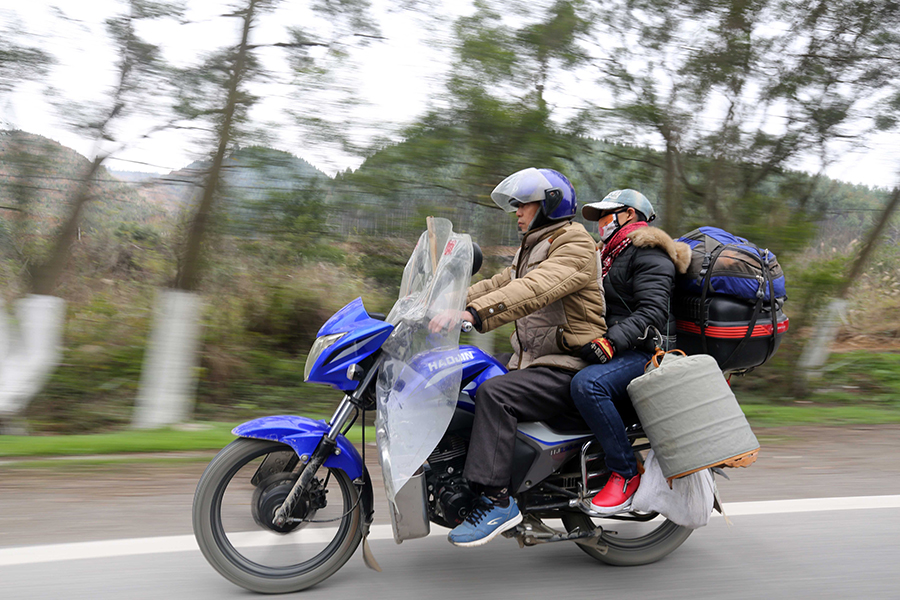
25,555
803,505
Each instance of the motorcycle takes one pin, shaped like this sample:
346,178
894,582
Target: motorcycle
286,505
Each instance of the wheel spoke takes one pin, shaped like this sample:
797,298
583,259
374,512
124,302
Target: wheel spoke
233,521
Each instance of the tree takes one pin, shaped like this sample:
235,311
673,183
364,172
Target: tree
492,118
36,343
852,52
19,62
736,93
217,93
139,71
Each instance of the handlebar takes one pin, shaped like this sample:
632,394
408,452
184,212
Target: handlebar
466,327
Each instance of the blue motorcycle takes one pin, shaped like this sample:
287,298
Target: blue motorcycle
287,504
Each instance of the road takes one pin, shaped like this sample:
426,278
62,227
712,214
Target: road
821,554
123,531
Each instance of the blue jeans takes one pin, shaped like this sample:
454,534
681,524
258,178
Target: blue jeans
596,391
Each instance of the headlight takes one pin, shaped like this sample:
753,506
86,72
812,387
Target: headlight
319,346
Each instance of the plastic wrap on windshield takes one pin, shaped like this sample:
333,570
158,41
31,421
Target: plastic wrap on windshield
419,381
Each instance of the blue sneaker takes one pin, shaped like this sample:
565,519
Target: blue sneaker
484,523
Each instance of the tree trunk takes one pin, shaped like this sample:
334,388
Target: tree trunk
168,377
168,381
871,242
45,277
187,277
672,216
818,348
30,351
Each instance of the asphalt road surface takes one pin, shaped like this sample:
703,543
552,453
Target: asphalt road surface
821,554
817,517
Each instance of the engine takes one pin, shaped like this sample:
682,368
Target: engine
449,496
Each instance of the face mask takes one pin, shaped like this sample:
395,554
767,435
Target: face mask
609,229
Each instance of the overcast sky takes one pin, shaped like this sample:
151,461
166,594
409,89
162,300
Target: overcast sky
396,76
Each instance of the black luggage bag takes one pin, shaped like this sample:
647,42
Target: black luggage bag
726,328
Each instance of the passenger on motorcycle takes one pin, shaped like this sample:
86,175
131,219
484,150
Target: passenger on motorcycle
552,292
638,268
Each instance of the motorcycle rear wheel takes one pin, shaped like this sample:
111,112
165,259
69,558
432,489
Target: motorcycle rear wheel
652,541
225,499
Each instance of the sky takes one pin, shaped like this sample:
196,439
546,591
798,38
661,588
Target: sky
397,76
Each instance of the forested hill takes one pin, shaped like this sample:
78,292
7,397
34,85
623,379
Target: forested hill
425,173
250,174
39,176
43,174
391,190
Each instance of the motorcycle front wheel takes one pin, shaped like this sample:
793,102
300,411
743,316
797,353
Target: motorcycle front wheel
233,509
636,539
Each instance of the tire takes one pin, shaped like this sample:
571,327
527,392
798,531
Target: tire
235,555
654,540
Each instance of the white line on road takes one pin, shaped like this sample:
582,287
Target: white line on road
24,555
802,505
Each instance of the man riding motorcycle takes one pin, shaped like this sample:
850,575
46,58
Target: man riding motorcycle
551,290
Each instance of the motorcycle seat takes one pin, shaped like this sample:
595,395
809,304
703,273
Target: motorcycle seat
568,424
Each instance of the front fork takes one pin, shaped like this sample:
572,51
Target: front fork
344,414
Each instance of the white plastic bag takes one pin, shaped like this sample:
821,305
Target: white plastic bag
690,501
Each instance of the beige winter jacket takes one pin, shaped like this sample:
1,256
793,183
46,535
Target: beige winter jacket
552,292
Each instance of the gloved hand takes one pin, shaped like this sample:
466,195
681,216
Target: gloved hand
597,351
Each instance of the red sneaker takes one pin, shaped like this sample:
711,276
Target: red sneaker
616,495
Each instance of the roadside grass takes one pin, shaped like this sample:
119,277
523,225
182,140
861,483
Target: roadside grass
199,437
210,437
856,388
69,465
773,415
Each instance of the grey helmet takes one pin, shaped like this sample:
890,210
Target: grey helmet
619,199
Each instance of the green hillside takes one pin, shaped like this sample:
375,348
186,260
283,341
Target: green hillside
290,246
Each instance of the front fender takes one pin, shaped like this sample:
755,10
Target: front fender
303,435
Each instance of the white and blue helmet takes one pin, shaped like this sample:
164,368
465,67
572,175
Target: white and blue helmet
551,188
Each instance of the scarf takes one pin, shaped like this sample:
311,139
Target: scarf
617,244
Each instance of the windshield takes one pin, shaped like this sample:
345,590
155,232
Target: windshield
416,397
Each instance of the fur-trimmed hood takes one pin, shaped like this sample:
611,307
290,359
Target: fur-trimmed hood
654,237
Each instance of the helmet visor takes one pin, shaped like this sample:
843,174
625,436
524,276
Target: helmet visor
595,210
527,185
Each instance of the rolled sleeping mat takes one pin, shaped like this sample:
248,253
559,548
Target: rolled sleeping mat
690,415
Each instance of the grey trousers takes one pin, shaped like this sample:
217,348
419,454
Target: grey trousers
532,394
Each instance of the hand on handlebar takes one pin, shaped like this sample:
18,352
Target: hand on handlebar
449,318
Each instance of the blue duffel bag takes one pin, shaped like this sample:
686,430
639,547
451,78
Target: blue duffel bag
728,304
723,263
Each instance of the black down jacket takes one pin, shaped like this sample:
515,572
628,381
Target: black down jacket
639,285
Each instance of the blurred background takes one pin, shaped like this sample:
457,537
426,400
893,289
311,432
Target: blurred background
188,191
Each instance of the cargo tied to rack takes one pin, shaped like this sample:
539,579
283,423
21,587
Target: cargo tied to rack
691,416
729,303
